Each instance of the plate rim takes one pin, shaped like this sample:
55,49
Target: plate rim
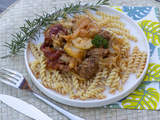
95,103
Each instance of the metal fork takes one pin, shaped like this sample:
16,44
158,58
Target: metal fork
17,80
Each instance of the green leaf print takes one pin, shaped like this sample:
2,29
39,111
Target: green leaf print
117,8
142,99
158,52
157,12
151,30
112,106
153,72
143,85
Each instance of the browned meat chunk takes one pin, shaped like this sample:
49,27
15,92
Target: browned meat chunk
53,31
64,67
57,28
105,34
48,41
52,58
97,52
88,68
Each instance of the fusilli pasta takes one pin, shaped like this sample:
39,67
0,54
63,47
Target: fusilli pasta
113,70
142,64
107,15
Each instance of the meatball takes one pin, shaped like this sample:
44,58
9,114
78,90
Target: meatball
97,52
105,34
88,68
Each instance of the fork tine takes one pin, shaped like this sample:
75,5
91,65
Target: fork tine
9,78
12,71
8,83
11,75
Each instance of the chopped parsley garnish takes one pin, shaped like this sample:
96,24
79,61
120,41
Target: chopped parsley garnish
100,41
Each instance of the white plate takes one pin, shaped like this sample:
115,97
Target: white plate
130,85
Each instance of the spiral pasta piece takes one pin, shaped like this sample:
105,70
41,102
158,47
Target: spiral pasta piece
75,82
93,17
111,77
63,85
55,87
107,15
88,82
128,71
60,90
102,83
125,46
119,87
136,62
122,33
48,77
114,84
82,85
116,25
38,47
103,22
92,92
79,93
34,50
99,96
134,53
110,20
54,78
105,73
43,65
72,95
69,19
95,82
77,16
35,66
122,64
142,64
58,75
47,84
67,78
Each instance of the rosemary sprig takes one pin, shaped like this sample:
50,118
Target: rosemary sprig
30,29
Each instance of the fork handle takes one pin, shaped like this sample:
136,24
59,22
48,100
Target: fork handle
64,112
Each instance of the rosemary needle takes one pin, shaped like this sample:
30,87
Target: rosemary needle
30,29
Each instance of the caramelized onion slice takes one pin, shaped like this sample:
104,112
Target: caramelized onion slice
82,43
73,51
79,22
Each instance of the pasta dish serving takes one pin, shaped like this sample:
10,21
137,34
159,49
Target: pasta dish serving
83,55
